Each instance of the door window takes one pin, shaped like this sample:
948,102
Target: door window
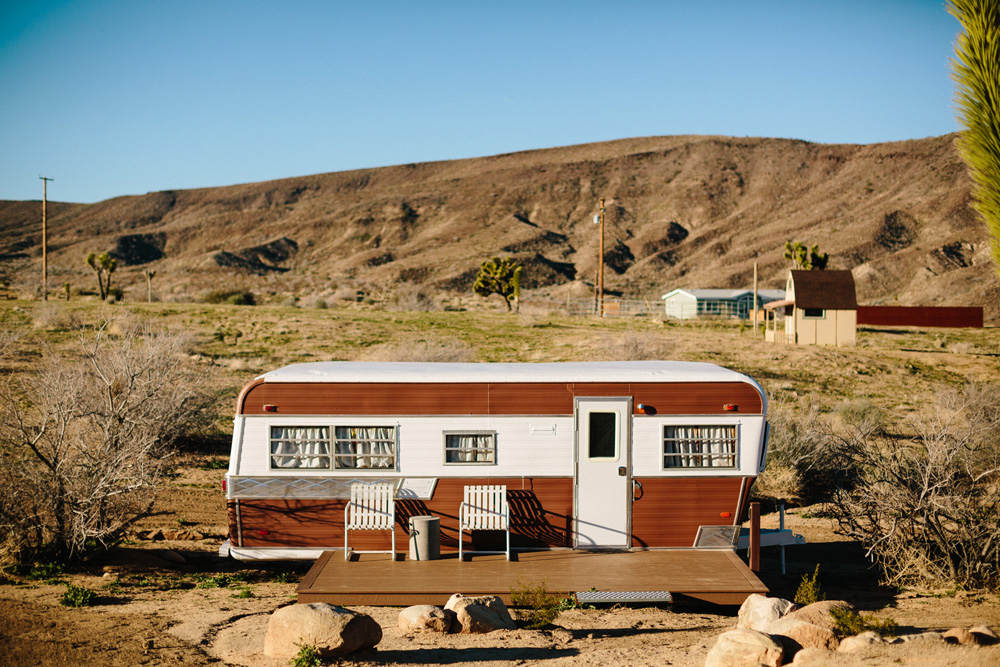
603,435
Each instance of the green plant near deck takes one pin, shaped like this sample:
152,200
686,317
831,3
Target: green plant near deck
849,623
535,606
77,596
308,656
808,591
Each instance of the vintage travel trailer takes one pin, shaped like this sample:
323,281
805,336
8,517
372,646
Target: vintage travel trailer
594,455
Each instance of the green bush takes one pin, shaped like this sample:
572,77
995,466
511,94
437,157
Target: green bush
850,623
535,606
308,656
808,591
77,596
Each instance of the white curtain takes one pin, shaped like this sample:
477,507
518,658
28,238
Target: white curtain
469,447
699,446
300,446
366,447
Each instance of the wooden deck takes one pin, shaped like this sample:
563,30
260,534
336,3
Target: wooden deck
715,576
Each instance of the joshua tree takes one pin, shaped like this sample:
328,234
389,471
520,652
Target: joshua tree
149,284
975,71
102,264
499,276
806,258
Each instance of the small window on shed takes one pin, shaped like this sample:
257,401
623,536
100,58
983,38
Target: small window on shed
699,446
300,447
813,313
470,447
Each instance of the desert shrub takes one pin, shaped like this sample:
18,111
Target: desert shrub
430,349
410,297
637,346
849,623
77,596
534,605
799,464
231,297
809,591
924,496
84,439
308,656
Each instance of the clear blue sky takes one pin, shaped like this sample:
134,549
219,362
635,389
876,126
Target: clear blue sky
116,97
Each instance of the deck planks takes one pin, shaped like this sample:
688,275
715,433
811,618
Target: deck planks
714,576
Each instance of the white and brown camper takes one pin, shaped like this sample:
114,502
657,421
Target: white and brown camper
594,455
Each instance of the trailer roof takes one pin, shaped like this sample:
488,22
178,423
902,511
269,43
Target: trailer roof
583,371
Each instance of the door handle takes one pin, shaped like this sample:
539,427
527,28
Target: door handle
621,471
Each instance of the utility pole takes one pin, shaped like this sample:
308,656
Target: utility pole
45,258
600,269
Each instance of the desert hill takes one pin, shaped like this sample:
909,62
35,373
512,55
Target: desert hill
682,211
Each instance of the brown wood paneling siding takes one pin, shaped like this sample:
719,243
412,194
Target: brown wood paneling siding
671,509
541,516
331,398
339,398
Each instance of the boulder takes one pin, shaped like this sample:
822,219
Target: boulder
334,631
810,657
802,634
984,635
811,626
958,636
477,615
426,618
759,611
859,642
743,647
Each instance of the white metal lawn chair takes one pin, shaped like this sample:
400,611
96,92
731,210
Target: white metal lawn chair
484,508
372,507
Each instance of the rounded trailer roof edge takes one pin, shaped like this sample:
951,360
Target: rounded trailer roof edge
569,371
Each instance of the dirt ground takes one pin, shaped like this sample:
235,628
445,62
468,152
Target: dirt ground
161,602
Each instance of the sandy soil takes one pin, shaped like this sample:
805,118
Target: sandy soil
153,609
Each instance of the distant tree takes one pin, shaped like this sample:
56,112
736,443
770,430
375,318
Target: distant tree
103,265
976,72
499,276
806,258
149,284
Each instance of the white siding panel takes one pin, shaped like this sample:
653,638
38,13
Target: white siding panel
647,447
539,446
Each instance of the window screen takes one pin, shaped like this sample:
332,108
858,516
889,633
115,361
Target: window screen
470,447
699,446
603,435
300,446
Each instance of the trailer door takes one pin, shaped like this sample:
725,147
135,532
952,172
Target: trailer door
602,501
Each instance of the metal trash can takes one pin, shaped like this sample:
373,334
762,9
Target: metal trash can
425,537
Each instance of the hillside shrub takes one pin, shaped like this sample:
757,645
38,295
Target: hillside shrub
849,623
231,297
808,591
77,596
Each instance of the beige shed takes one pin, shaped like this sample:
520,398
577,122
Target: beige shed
821,308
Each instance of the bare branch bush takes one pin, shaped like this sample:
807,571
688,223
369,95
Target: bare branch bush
84,441
796,453
925,499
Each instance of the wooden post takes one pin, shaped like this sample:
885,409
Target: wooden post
600,270
755,537
755,296
45,259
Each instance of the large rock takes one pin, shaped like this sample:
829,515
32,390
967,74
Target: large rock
813,657
475,615
860,642
426,618
811,626
759,611
334,631
743,647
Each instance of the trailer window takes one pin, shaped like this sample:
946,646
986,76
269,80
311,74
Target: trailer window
300,447
365,447
470,447
699,446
